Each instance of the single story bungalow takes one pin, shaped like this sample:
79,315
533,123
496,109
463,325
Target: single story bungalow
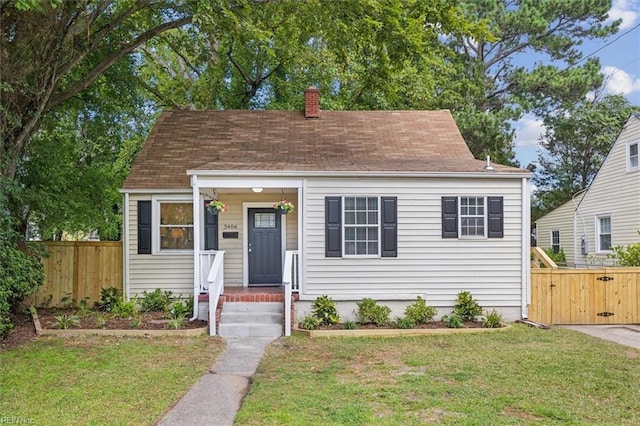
389,205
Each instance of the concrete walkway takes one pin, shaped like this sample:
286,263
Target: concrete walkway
216,397
628,335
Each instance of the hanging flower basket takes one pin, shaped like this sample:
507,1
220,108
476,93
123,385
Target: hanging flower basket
216,207
283,206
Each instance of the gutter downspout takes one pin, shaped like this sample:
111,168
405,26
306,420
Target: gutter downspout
526,249
125,249
196,246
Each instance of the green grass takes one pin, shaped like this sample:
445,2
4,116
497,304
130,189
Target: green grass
519,376
100,380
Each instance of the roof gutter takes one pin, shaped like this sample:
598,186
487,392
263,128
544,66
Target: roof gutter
367,174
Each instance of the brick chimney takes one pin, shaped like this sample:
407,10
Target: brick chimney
311,102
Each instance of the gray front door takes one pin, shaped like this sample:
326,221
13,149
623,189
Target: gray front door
265,247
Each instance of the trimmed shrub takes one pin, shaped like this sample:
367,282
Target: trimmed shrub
467,307
369,312
324,308
157,300
420,312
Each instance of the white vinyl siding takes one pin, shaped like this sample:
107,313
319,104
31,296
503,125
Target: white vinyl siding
615,192
560,219
426,264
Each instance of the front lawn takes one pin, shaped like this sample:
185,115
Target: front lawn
519,376
100,380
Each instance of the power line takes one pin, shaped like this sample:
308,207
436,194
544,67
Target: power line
609,43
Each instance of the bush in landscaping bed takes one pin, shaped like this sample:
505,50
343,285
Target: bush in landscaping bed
420,312
467,307
369,312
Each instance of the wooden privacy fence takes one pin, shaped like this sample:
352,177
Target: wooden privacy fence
79,269
585,296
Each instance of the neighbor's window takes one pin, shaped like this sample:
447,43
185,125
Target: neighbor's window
176,225
361,226
604,233
633,156
472,217
555,241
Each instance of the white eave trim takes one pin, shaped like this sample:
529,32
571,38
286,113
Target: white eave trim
367,174
155,191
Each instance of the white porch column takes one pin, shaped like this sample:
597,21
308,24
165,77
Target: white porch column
196,243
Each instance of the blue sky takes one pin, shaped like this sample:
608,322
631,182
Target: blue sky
620,63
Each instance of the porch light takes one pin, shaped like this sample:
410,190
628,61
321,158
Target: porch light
257,189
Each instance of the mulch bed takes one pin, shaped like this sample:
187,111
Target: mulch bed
429,325
148,321
24,330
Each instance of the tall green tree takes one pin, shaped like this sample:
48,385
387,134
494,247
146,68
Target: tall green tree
53,51
531,62
364,54
574,146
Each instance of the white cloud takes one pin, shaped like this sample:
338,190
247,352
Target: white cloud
528,132
627,10
618,81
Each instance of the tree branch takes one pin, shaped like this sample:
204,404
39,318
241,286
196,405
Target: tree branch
91,77
158,94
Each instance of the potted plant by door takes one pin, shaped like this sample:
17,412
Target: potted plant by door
216,206
283,206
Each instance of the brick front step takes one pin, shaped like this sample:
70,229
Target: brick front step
246,297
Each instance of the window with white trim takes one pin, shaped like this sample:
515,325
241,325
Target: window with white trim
603,232
361,226
555,241
472,217
175,225
632,156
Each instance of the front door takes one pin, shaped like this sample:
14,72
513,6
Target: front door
265,247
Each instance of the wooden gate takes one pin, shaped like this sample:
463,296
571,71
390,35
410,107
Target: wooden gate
585,296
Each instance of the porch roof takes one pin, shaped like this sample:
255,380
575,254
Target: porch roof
338,141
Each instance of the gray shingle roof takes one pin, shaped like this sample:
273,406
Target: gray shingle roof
340,141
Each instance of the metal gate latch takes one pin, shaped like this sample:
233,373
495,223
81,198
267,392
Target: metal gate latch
605,314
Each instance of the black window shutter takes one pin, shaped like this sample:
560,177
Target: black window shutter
333,226
210,229
389,226
144,227
496,217
449,217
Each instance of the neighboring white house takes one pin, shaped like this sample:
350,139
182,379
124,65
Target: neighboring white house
388,204
608,213
556,231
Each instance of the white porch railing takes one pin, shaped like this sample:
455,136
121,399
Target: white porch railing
205,263
215,285
290,281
